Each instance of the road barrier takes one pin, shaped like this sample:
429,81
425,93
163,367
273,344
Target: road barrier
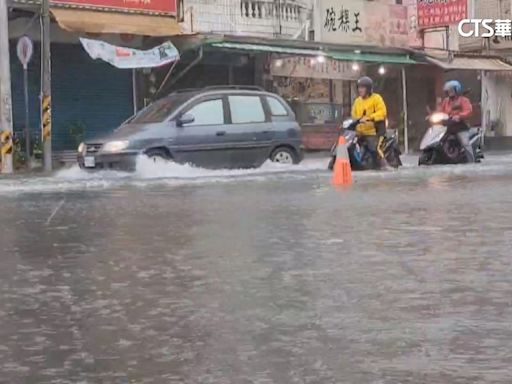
342,172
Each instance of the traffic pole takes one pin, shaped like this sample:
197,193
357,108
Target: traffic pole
46,84
5,92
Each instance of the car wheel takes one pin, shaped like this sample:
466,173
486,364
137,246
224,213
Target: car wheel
158,156
284,155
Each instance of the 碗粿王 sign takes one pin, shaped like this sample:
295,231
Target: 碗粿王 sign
143,6
340,22
436,13
360,22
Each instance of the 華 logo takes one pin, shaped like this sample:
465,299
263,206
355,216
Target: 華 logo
485,28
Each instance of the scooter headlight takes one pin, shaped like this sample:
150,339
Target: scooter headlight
438,118
347,123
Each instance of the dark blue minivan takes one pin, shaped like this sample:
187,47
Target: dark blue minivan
214,127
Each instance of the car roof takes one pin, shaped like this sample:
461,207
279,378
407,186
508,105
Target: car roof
224,89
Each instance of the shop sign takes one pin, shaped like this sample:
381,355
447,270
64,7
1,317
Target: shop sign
142,6
356,22
438,13
414,37
340,21
387,25
312,67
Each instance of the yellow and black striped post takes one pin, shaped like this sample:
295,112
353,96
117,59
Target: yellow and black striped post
46,118
5,147
46,131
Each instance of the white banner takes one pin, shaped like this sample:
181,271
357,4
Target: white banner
121,57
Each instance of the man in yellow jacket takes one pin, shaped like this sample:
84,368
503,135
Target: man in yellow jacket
371,109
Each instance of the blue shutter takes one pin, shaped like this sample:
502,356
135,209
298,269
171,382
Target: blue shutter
87,93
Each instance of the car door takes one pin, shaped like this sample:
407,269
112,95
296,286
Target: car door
201,142
249,130
286,129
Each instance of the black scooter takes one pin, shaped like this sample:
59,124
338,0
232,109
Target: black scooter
361,158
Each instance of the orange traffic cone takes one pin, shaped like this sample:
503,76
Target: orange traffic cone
342,173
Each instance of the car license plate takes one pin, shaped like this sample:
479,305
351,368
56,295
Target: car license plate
89,162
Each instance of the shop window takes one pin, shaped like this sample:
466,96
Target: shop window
246,109
209,112
276,107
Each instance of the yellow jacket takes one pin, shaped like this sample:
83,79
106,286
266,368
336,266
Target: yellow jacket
374,108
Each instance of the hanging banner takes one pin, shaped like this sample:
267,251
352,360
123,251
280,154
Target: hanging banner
121,57
143,6
440,13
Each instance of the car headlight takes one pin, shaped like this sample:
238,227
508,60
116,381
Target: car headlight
81,148
115,146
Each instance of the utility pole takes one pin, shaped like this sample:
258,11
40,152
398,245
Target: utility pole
46,87
5,92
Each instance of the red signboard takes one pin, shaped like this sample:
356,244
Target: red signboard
437,13
142,6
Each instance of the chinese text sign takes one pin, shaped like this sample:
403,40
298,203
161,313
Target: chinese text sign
436,13
341,21
156,6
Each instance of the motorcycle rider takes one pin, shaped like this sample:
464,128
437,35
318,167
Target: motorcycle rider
459,108
371,109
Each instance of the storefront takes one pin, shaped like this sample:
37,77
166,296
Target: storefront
89,97
318,80
487,80
320,90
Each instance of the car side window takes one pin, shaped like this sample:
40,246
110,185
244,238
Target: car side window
276,107
210,112
246,109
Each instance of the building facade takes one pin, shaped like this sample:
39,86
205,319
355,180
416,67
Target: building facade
496,98
265,18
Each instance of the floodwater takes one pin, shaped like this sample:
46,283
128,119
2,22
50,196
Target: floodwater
182,275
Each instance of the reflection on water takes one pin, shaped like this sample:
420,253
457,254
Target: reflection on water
273,277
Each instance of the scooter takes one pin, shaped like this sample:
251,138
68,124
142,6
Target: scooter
361,157
440,146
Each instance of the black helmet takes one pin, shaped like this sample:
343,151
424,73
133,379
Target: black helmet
366,82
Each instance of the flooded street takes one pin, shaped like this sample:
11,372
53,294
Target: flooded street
182,275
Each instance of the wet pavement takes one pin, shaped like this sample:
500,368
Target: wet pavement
181,275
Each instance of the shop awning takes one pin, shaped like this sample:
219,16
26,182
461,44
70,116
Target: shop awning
82,21
373,58
336,55
265,48
472,63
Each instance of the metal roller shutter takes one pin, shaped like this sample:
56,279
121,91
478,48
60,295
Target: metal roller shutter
85,93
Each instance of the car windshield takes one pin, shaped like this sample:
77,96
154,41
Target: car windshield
159,110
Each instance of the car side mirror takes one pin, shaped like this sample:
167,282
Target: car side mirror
185,119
